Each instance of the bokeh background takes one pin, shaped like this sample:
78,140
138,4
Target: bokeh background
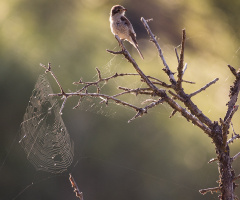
153,157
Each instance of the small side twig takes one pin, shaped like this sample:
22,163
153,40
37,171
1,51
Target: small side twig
173,113
233,70
146,108
236,156
236,177
191,82
212,160
234,136
49,69
184,68
212,190
203,88
175,49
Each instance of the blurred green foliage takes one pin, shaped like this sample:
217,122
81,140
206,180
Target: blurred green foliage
153,157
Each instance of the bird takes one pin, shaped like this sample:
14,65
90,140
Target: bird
121,26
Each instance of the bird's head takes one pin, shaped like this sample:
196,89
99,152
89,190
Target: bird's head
117,9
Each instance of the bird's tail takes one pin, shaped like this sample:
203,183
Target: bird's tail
140,53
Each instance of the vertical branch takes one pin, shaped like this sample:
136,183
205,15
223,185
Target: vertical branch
181,60
153,39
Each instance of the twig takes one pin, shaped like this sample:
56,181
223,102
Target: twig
100,79
145,109
175,49
236,177
212,160
226,125
75,187
49,69
173,113
205,191
203,88
191,82
236,156
115,52
136,91
234,136
233,70
180,64
63,94
184,68
234,91
153,39
230,116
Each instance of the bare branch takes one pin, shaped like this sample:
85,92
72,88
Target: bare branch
180,64
188,116
63,94
145,109
233,70
226,125
188,103
161,93
100,79
136,91
75,187
173,113
153,39
230,116
188,82
114,52
212,160
49,69
236,156
234,136
236,177
175,49
234,91
184,68
212,190
203,88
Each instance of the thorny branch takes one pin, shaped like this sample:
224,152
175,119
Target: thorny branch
154,87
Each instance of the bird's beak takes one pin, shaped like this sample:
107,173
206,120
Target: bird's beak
124,9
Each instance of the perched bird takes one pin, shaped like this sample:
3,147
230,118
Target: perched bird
122,27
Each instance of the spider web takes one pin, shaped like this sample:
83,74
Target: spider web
43,134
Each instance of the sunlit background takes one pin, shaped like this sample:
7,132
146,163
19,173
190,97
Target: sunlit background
153,157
